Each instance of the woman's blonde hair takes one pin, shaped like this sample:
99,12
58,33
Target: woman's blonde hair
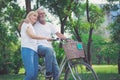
31,13
27,18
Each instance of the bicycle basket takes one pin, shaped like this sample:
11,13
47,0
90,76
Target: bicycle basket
73,49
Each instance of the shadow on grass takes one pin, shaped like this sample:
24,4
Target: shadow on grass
102,76
108,76
12,77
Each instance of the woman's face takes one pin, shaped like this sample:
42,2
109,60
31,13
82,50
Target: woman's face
33,18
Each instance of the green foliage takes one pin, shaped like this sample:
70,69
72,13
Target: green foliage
103,51
109,52
4,49
16,61
14,15
115,30
96,16
79,10
113,5
57,7
58,51
3,3
10,59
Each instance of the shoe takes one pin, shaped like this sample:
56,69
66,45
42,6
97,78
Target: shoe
48,75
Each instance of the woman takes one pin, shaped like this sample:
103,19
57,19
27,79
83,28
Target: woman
29,46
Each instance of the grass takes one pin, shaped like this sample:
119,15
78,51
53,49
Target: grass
104,72
107,72
106,68
12,77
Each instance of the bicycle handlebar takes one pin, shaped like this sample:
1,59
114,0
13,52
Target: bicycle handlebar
55,39
58,39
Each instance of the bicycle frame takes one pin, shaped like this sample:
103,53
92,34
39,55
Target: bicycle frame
63,62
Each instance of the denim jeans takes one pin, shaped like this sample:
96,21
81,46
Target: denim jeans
50,60
30,61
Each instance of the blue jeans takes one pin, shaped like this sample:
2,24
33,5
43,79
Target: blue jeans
50,60
30,61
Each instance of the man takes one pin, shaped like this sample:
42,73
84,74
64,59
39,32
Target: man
45,49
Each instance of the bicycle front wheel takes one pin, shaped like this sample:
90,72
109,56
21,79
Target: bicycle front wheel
80,71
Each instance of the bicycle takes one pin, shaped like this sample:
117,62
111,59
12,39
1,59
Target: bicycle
76,69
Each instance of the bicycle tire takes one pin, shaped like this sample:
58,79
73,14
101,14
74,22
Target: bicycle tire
81,71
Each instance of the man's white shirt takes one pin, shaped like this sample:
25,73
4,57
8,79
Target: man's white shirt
45,30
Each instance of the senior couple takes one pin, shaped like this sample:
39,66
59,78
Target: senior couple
35,39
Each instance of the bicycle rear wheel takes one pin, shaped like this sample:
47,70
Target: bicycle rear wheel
81,71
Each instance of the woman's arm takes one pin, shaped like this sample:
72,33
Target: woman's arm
34,36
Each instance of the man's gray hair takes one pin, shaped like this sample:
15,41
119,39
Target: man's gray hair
40,8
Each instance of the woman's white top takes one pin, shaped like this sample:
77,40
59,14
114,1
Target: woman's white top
26,40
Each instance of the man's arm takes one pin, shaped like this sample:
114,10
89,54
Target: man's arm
61,35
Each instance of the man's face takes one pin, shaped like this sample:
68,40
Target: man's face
41,15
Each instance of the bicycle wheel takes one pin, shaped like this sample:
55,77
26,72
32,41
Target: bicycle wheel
81,71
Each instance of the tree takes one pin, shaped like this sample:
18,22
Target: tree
3,3
75,24
115,26
28,5
10,17
115,31
95,18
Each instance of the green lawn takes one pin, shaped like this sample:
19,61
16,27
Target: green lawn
105,72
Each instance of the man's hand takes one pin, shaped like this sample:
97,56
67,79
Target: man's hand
52,39
68,40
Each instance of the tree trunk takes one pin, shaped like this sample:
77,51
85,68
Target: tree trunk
62,24
37,3
28,5
90,34
89,46
62,27
87,10
77,34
